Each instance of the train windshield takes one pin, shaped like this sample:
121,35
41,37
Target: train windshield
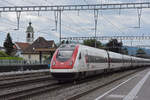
64,54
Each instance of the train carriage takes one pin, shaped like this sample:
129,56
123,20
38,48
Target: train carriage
76,61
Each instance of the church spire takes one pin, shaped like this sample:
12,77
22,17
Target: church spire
30,33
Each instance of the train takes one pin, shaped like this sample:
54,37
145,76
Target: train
76,61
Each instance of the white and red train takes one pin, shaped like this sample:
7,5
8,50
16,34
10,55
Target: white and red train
76,61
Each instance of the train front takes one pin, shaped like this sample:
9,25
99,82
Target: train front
63,62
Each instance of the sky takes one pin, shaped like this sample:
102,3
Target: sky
74,23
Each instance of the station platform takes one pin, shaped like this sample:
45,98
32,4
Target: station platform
136,87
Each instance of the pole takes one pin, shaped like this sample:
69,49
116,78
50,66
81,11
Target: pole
60,26
139,11
95,18
18,19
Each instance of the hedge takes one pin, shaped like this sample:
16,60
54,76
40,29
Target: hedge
11,58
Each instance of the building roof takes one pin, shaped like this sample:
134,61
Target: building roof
39,43
21,45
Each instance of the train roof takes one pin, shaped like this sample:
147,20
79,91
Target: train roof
114,54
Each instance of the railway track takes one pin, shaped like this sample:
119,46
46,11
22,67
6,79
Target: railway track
29,90
19,75
99,84
68,91
82,88
20,79
11,85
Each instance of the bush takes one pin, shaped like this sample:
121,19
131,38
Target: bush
3,54
11,58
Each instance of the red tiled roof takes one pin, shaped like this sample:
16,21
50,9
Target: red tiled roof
40,42
22,45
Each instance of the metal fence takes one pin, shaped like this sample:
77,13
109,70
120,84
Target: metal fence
22,62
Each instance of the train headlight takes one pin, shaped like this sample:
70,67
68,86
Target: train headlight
54,63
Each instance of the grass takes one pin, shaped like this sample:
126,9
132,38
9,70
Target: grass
3,54
11,58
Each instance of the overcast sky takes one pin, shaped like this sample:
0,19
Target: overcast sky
74,23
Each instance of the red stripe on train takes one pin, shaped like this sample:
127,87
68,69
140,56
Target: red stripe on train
67,64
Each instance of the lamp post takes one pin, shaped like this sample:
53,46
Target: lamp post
96,19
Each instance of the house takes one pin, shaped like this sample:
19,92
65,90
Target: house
38,50
20,46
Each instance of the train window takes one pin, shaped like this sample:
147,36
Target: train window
64,54
96,59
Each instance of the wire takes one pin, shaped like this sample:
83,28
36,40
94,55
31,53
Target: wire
113,24
8,2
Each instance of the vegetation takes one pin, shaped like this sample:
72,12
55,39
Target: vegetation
91,42
114,46
65,42
125,51
11,58
140,51
8,44
3,54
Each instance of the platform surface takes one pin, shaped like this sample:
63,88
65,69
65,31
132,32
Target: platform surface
136,87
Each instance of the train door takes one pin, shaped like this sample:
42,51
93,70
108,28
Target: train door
108,59
86,59
81,61
123,63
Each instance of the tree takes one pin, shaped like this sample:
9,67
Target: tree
8,44
91,42
67,42
125,51
140,52
114,46
62,42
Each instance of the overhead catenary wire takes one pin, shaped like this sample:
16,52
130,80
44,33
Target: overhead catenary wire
117,27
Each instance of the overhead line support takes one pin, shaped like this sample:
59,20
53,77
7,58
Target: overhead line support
139,12
96,20
76,7
60,26
18,14
109,37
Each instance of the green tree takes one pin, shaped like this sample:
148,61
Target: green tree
8,44
140,52
125,51
62,42
114,46
67,42
91,42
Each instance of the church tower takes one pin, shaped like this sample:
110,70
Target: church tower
30,34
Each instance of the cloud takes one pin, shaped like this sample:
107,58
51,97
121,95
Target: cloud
73,23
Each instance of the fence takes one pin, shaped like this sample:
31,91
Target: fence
22,65
21,62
